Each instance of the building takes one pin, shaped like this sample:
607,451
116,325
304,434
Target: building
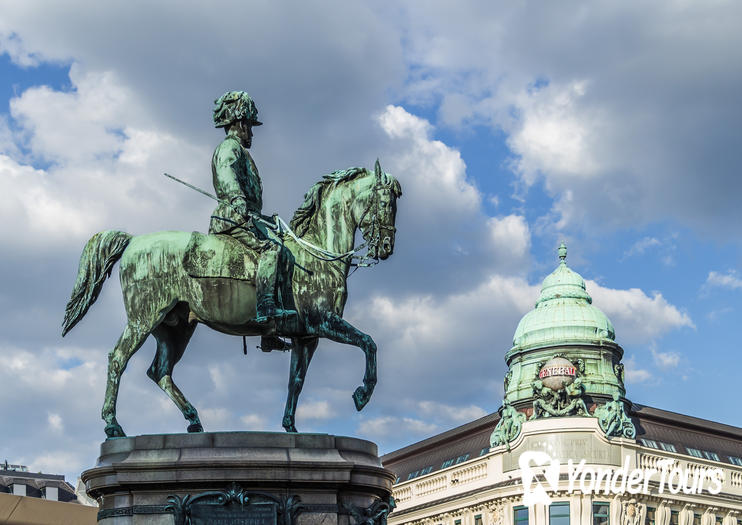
36,498
568,446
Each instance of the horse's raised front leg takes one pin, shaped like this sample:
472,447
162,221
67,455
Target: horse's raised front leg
130,341
339,330
301,354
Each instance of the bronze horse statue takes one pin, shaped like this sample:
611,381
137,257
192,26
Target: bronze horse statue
172,280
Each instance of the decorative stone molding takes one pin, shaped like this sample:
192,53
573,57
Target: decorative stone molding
632,512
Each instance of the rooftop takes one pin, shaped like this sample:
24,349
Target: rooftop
656,428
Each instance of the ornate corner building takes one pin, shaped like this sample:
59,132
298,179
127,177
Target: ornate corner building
567,446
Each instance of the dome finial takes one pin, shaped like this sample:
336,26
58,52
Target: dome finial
562,252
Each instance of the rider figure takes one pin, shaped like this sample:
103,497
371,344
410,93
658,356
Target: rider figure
240,191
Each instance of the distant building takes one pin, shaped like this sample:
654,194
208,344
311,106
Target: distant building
16,479
28,497
565,401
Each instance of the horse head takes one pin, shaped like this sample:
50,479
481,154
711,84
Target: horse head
349,199
377,220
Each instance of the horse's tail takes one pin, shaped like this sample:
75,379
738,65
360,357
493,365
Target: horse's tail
96,262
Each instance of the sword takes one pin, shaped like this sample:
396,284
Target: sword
251,215
202,192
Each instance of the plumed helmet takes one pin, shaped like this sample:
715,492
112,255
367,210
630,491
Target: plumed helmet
234,106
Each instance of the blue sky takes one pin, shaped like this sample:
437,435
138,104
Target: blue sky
511,128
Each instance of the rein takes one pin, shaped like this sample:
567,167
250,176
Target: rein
281,227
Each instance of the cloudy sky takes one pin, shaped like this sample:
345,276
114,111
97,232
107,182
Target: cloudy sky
614,126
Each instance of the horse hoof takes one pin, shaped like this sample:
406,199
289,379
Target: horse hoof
196,427
360,398
114,430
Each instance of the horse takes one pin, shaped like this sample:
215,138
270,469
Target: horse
163,298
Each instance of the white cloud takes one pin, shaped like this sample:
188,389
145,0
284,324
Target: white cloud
724,280
454,414
422,320
58,461
386,427
634,374
253,422
551,136
595,118
314,410
215,418
665,359
641,246
104,170
55,422
511,242
434,172
637,317
79,125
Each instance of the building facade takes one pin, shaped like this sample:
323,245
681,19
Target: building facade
568,446
40,499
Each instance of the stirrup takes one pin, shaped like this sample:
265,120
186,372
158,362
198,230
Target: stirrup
268,343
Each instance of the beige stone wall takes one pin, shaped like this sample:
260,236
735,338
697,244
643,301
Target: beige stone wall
490,485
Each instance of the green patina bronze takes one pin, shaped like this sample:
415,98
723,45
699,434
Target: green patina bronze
567,334
613,420
564,323
248,278
509,426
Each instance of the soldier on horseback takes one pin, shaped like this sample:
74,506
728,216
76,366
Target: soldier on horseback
240,191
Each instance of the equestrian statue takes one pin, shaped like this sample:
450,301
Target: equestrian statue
252,275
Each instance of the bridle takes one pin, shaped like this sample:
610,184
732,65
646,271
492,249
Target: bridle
376,228
371,244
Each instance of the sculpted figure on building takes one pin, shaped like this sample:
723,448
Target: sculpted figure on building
613,420
509,426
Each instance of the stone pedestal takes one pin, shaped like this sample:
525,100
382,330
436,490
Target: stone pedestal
255,478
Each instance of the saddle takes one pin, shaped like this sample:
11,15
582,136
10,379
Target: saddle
219,256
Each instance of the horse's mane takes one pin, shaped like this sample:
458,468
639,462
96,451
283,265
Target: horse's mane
312,199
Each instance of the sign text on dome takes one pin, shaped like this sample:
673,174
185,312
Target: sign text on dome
557,370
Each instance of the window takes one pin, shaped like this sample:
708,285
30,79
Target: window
559,513
651,443
457,522
447,463
650,516
485,450
461,459
713,456
478,519
396,480
426,470
413,475
674,517
600,513
520,515
696,519
735,460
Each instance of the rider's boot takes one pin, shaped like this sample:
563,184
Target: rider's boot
265,288
267,312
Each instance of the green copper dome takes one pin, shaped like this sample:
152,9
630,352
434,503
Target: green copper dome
563,313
